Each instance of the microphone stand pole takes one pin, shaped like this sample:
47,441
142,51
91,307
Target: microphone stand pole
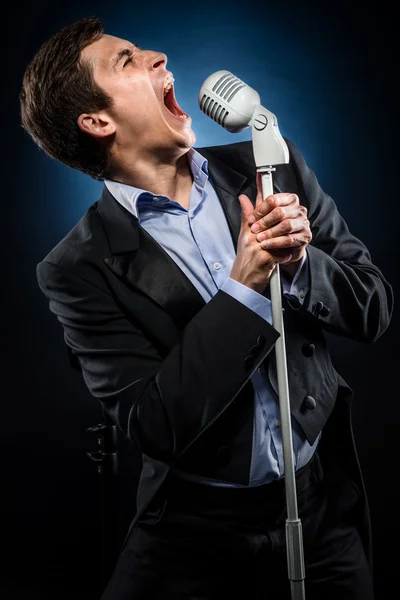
270,148
294,537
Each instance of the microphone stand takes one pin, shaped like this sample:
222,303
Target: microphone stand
234,105
270,148
106,460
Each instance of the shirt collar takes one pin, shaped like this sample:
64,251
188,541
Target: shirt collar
198,164
128,195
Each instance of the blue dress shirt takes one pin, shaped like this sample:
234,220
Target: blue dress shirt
199,242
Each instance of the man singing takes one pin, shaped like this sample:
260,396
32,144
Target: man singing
162,290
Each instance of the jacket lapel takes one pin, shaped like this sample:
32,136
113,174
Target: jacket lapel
142,264
229,184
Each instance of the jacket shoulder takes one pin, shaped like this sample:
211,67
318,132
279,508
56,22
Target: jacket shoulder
78,255
81,240
238,156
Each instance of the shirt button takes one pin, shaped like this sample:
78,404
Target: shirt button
301,294
217,266
277,423
155,198
191,214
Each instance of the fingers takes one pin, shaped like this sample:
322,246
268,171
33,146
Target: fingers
247,208
286,227
285,241
290,233
270,203
280,220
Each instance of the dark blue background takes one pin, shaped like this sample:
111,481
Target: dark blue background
328,73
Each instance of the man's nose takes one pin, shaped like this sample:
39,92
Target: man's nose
155,60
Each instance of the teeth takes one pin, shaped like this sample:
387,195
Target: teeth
168,84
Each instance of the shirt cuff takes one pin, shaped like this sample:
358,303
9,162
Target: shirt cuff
299,286
256,302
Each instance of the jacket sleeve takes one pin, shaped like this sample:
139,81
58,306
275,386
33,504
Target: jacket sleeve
348,294
163,403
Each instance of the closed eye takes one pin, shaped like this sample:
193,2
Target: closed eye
120,55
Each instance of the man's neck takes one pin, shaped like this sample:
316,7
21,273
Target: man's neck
173,179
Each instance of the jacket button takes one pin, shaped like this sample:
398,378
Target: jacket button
319,308
249,362
310,402
325,311
261,341
255,351
308,349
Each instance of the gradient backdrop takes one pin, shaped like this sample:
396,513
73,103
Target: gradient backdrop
327,73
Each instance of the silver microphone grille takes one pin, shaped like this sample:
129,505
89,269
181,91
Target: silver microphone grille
224,88
227,86
213,109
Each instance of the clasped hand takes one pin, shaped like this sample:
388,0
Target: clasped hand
279,223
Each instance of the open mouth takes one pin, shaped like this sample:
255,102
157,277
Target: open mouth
170,100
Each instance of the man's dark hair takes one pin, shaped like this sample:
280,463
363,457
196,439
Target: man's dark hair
58,87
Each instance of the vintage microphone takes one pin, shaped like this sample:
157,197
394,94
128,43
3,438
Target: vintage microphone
235,106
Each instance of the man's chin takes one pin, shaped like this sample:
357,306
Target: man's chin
188,141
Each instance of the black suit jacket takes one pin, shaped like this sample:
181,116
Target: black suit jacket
173,371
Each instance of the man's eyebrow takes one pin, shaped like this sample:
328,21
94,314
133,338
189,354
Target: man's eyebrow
122,53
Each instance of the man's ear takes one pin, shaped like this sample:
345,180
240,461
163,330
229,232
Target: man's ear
98,126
